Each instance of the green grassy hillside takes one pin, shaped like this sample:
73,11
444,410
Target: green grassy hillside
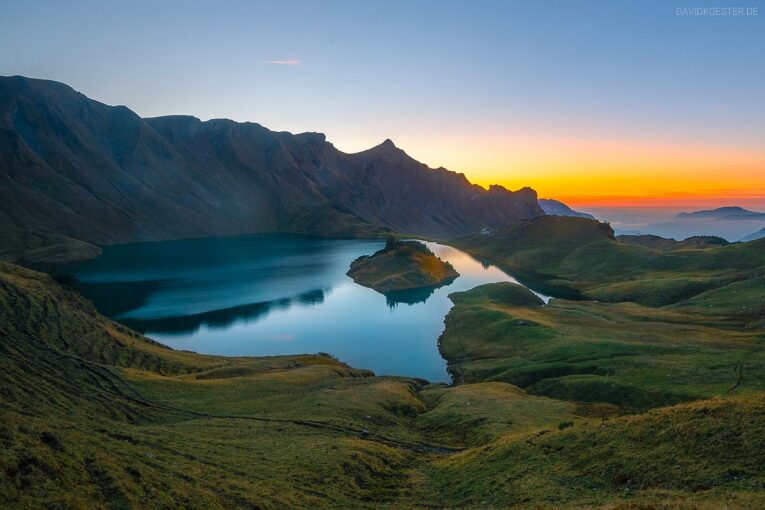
632,356
649,327
704,455
578,258
39,248
94,415
664,244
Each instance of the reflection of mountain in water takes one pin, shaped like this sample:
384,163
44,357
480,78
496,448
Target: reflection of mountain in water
265,295
411,296
114,298
219,319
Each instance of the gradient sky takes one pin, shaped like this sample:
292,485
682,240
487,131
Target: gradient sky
594,102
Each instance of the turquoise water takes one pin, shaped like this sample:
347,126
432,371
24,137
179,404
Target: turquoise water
276,294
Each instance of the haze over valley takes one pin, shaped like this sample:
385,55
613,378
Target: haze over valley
732,223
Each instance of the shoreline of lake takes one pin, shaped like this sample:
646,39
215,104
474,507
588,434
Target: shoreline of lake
276,294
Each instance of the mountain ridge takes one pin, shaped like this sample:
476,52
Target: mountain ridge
554,207
729,212
754,236
78,168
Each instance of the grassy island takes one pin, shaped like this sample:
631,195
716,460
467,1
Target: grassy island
401,265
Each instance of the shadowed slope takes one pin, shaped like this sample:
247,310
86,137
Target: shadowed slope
78,168
94,415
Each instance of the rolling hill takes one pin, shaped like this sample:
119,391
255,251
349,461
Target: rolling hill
664,244
582,259
401,265
94,415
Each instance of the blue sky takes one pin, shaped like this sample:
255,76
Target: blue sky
453,83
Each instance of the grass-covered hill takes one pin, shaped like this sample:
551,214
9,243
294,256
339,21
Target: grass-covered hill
631,356
704,455
581,258
401,265
635,327
664,244
94,415
638,325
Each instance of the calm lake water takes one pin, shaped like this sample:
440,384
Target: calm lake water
276,294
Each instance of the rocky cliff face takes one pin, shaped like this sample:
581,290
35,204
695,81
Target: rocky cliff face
75,167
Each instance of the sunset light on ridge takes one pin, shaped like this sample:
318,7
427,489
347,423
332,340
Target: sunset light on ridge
571,99
589,172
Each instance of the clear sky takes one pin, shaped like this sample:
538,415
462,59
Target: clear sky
595,102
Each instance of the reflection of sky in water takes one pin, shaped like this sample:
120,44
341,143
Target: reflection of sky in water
268,295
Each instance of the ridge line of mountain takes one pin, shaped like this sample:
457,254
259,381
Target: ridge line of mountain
74,170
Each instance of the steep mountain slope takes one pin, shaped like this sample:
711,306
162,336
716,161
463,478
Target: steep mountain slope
558,208
75,167
387,187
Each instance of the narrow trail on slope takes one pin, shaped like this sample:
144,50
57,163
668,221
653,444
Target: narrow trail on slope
130,393
739,368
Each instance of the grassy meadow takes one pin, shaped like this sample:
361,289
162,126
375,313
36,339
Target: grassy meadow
641,386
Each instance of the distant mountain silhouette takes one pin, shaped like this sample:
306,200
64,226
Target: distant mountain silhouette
730,223
76,169
665,244
754,236
556,208
723,213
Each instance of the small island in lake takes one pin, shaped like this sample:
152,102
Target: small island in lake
401,265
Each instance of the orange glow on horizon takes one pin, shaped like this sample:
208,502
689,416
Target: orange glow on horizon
679,201
603,172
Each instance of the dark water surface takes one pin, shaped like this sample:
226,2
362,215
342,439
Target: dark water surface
276,294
